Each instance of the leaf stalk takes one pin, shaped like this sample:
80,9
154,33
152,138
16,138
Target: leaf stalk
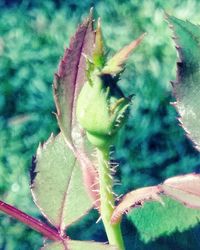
33,223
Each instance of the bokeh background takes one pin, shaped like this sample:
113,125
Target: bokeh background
33,35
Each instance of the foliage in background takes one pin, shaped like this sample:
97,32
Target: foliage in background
30,44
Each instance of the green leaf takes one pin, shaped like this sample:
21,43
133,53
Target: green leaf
55,246
187,84
154,220
78,245
57,182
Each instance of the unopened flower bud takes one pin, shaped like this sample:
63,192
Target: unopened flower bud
101,109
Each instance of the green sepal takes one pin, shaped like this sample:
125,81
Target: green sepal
115,65
98,54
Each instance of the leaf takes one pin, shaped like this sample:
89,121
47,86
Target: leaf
71,76
55,246
78,245
134,199
154,220
90,174
185,188
115,65
57,183
68,82
187,84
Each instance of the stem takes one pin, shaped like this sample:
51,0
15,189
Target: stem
107,200
33,223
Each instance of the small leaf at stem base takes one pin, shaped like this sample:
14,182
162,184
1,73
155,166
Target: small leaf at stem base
78,245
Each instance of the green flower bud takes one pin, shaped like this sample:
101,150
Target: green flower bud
101,108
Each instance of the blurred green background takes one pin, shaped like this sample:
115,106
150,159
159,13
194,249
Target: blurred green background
33,35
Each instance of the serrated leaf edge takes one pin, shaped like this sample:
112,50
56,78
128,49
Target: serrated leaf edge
179,64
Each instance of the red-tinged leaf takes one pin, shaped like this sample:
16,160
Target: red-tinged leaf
71,76
57,182
153,220
90,174
185,188
115,65
68,82
83,150
134,199
78,245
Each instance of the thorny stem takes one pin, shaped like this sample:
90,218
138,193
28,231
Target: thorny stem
107,201
35,224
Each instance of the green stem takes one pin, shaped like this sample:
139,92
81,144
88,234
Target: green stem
107,200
